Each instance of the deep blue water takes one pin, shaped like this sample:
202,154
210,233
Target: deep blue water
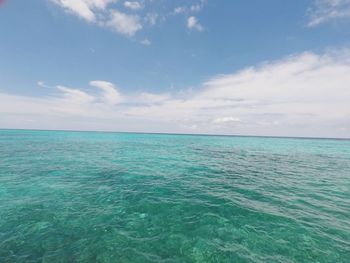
118,197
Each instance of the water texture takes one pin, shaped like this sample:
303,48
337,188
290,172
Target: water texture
118,197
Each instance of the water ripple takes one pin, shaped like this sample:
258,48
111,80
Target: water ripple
109,197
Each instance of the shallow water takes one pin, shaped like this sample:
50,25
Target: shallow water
117,197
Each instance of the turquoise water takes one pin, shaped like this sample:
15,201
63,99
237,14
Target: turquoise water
114,197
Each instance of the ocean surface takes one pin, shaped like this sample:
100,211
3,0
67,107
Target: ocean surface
119,197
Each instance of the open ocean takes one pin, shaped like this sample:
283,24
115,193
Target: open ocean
122,197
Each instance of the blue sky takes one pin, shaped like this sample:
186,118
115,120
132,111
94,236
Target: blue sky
230,67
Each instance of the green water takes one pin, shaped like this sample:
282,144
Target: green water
114,197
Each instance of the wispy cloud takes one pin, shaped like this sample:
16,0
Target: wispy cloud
180,10
75,96
107,13
133,5
151,18
110,94
305,94
324,11
41,84
101,13
193,23
188,9
225,120
146,42
85,9
123,23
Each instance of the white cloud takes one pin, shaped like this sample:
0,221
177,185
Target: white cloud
328,10
133,5
195,8
110,92
150,98
123,23
84,8
146,42
227,120
41,84
151,18
107,14
75,95
301,95
99,12
180,10
192,23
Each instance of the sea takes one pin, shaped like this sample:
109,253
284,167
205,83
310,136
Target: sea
132,197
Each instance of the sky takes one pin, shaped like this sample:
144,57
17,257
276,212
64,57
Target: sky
240,67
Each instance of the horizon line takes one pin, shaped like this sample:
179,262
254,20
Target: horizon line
183,134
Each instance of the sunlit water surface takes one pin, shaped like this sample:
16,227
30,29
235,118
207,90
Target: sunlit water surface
114,197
